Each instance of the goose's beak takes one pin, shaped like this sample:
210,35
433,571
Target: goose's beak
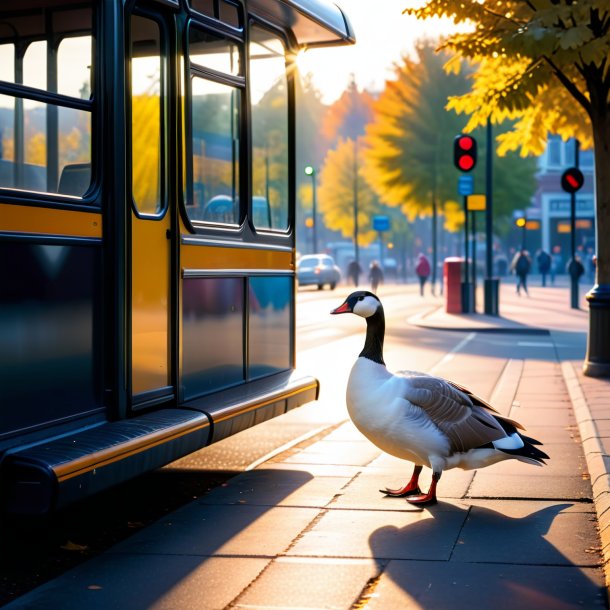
343,308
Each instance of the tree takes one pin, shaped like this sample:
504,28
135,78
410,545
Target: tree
349,115
409,159
343,189
545,64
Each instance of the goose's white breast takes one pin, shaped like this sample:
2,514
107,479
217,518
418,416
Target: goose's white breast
376,405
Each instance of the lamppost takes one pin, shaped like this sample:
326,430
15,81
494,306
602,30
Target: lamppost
310,171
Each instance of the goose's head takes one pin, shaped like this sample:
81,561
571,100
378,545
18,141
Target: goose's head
361,302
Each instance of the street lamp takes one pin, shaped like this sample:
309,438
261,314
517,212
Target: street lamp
310,171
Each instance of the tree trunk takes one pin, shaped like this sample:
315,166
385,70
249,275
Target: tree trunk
597,360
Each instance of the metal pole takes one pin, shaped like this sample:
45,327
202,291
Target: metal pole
315,218
474,261
573,276
466,282
491,284
356,249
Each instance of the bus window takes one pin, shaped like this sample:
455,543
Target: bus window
146,115
269,111
213,162
49,50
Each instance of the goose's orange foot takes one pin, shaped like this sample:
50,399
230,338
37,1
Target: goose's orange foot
423,500
403,492
426,499
410,489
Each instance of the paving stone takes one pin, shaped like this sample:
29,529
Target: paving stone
355,453
530,533
433,585
402,534
489,485
309,583
159,582
268,487
542,417
224,530
363,492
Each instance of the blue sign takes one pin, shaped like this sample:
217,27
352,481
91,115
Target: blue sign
381,223
465,185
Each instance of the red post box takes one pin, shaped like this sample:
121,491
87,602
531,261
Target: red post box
452,275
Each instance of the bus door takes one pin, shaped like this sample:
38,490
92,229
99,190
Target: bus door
151,214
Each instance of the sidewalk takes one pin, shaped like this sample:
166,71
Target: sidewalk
309,529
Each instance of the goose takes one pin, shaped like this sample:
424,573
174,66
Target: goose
421,418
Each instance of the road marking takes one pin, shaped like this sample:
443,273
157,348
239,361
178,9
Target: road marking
534,344
451,355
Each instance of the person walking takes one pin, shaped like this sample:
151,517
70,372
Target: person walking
353,271
375,275
422,269
521,266
543,259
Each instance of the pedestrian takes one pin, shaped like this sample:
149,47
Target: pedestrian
543,259
521,266
375,275
422,269
353,271
575,268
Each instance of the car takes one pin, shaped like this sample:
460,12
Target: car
318,270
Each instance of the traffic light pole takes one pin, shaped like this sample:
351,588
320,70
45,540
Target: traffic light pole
572,268
491,284
474,261
466,290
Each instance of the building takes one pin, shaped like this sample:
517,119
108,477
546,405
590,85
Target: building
551,204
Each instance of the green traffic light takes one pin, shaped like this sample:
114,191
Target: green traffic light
309,170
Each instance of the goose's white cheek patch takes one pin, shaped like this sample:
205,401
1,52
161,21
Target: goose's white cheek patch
367,307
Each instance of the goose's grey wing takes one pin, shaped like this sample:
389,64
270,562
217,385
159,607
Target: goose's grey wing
466,422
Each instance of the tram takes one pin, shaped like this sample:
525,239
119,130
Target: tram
147,251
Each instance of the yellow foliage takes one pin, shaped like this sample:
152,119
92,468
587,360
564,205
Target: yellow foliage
342,186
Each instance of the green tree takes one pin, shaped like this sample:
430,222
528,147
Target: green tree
343,190
545,64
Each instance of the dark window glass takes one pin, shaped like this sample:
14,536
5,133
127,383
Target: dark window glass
270,321
213,319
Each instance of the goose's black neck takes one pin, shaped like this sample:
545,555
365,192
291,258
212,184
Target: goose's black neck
375,331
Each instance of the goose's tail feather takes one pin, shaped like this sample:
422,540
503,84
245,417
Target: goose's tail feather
528,453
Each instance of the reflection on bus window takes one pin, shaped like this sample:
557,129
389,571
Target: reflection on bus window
45,144
269,99
213,192
146,115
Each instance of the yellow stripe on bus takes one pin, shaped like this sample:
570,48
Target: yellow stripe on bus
49,221
215,257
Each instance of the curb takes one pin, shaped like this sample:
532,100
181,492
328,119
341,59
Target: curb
421,320
593,450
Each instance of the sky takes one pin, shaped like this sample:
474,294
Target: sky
383,35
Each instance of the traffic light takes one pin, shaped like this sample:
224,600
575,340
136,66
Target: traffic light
520,221
464,152
572,180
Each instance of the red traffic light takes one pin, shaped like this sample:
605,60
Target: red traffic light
464,152
572,180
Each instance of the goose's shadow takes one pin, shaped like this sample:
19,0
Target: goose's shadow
474,557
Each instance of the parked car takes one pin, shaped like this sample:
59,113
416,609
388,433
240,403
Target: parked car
318,269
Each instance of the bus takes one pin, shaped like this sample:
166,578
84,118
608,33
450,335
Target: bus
147,248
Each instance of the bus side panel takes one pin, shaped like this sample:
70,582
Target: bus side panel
48,366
